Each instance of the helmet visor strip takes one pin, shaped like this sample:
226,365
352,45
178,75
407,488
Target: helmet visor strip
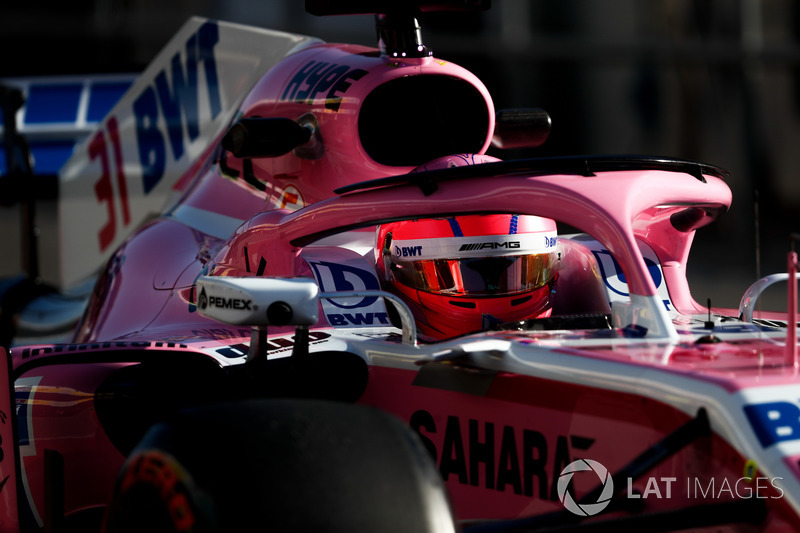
477,265
479,276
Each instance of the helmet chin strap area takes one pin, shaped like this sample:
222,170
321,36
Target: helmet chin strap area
448,318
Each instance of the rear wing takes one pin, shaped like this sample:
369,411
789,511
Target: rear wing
124,171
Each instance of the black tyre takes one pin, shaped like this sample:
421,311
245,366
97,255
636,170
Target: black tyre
282,465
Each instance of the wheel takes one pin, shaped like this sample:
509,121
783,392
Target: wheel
287,465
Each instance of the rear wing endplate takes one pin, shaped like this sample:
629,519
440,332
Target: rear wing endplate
127,169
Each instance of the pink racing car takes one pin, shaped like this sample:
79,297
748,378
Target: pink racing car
318,304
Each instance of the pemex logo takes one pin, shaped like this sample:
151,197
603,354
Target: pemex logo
585,509
202,300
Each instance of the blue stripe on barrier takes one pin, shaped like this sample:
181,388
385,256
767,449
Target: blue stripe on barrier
47,104
102,97
57,104
48,156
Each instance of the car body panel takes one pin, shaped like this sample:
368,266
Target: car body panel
684,404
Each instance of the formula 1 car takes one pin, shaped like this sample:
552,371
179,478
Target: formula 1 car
322,305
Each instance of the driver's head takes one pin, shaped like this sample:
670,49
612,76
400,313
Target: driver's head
464,274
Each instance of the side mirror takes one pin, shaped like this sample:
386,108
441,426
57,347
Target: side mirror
265,137
258,301
262,302
521,128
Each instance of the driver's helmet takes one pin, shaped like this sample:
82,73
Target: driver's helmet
469,273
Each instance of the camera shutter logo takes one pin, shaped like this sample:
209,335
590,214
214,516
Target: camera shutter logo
585,509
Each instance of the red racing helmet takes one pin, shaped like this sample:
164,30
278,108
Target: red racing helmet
467,273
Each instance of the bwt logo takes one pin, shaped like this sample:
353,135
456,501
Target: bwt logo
178,103
774,421
335,277
550,242
408,251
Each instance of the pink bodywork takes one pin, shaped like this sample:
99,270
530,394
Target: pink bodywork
144,299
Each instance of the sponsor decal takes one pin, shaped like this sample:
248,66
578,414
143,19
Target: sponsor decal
171,114
275,345
291,198
349,312
616,284
320,79
335,277
230,303
480,246
174,106
68,348
615,277
531,463
348,272
107,140
502,458
177,104
358,319
774,422
204,301
220,333
408,251
489,245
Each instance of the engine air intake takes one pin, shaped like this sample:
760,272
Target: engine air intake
409,121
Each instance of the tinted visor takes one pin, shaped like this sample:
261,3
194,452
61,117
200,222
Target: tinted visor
476,276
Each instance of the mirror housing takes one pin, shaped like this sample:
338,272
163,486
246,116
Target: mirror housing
265,137
521,128
258,301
